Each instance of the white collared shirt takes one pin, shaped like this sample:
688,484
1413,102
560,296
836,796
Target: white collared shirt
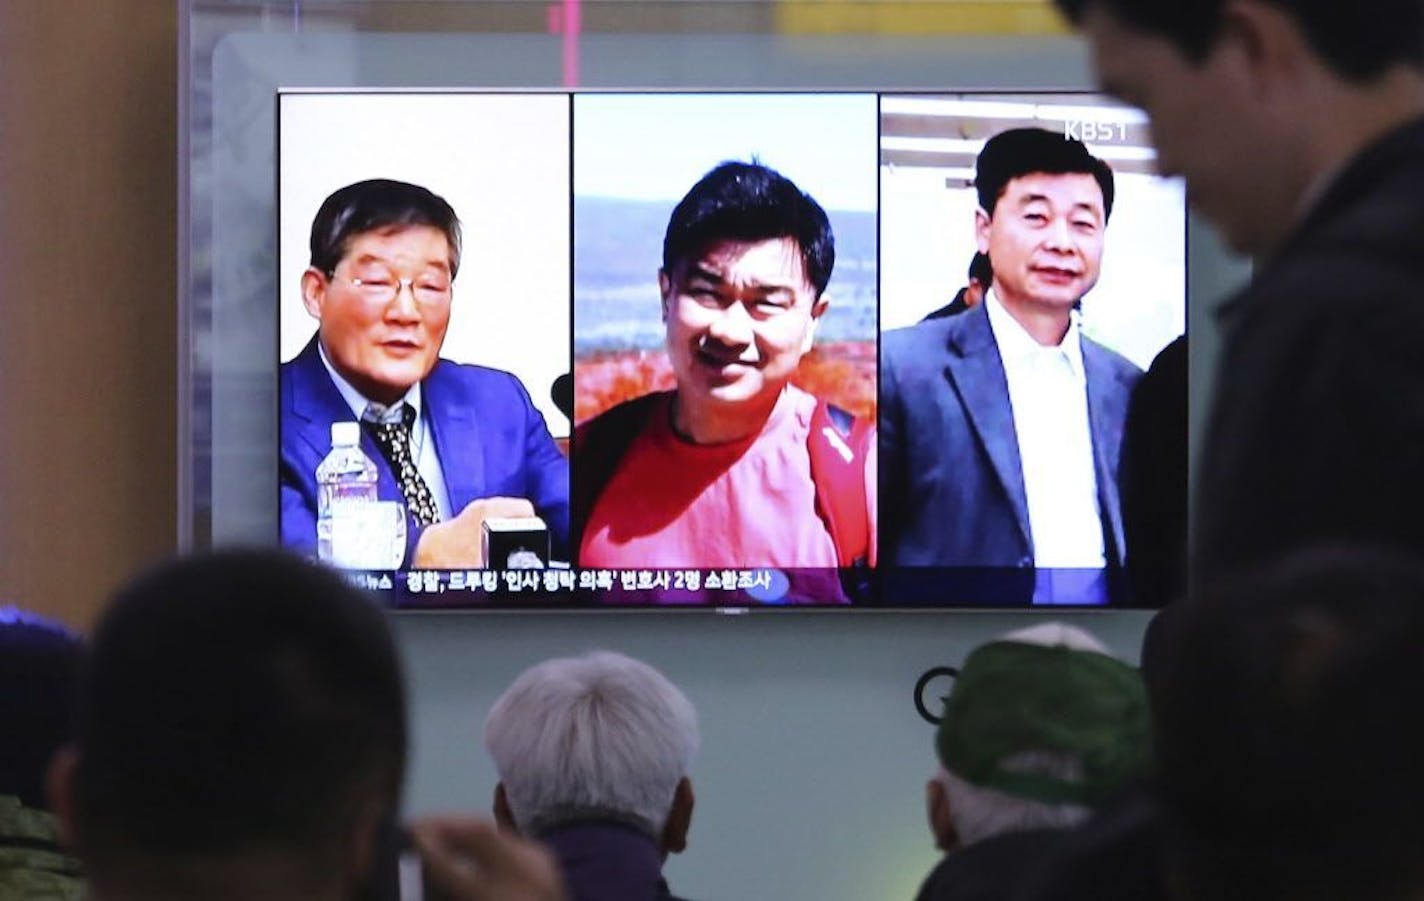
422,446
1048,393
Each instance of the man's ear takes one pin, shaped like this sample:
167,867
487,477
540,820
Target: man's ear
818,309
59,791
502,814
937,812
1268,40
1250,29
981,230
674,837
665,289
314,286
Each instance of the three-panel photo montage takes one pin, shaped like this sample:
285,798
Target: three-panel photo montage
719,350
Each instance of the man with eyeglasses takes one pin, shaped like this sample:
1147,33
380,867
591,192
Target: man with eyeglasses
456,444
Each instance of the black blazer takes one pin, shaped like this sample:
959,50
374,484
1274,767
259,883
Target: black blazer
1317,428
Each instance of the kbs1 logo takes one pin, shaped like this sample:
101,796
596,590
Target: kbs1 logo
1094,132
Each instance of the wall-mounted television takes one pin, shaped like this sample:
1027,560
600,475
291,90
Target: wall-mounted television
716,350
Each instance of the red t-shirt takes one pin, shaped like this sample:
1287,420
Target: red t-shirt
749,503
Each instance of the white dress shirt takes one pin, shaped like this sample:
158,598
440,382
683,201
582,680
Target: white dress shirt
422,445
1048,393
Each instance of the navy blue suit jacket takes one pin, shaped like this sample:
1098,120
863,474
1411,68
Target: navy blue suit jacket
490,439
951,482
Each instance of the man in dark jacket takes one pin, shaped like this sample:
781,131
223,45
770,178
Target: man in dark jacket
1313,163
1285,732
1008,415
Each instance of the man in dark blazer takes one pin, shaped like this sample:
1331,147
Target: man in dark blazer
1000,427
456,444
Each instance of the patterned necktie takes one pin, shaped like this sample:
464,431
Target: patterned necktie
392,436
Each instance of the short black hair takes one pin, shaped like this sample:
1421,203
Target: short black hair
750,202
238,701
1290,760
981,270
373,205
39,661
1023,151
1356,40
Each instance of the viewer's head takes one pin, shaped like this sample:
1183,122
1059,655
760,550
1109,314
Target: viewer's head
1044,203
240,728
596,737
38,663
1357,41
1288,740
980,279
1043,726
384,255
746,259
1235,88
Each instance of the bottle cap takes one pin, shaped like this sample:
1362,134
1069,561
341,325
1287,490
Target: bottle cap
345,434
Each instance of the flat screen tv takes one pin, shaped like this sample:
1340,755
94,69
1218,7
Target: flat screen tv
717,350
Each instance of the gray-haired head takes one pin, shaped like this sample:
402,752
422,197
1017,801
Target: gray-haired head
596,737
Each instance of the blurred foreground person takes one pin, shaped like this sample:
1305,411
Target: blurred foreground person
241,734
1043,727
1314,165
38,662
1287,735
593,754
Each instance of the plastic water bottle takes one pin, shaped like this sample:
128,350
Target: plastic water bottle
346,489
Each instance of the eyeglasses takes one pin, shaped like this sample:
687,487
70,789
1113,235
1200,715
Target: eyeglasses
386,287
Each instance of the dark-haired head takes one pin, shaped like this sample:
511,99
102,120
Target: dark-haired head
1044,206
378,204
1358,40
1022,151
1286,704
244,703
385,314
750,202
38,663
981,270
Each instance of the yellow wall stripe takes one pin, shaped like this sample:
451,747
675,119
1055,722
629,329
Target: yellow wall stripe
925,17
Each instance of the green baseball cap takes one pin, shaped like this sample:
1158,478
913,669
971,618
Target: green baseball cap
1012,700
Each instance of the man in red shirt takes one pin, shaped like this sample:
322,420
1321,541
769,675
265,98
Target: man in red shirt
723,471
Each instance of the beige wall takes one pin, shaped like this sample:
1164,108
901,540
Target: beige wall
88,324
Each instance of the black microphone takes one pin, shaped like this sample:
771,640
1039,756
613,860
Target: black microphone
562,394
